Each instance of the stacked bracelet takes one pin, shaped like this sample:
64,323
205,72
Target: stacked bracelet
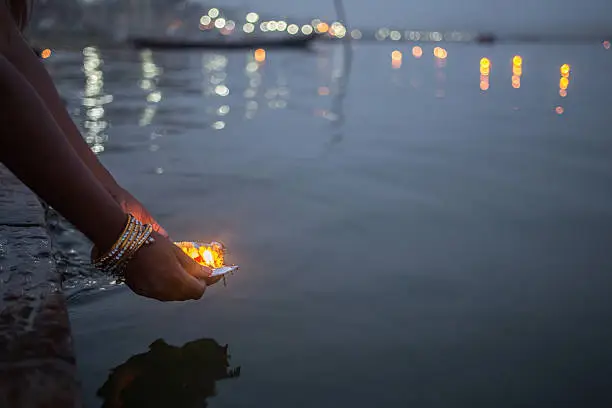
132,238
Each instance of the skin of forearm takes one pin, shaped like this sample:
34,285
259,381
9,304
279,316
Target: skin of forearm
35,149
20,54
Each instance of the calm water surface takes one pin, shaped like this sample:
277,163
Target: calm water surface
406,238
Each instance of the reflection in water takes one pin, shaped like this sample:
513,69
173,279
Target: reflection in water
168,376
150,78
485,70
517,71
396,59
214,69
94,100
440,62
564,82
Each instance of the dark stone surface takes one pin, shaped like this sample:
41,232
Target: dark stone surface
37,366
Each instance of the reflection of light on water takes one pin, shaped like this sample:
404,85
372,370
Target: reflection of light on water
396,59
150,76
214,70
517,71
260,55
94,100
251,70
564,82
485,70
440,62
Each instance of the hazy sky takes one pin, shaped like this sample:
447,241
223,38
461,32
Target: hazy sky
509,15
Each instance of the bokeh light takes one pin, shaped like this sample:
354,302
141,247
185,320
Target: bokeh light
562,93
322,27
606,44
213,13
563,83
485,64
396,59
565,70
395,35
252,17
220,23
356,34
485,69
559,110
46,53
517,71
205,20
440,53
307,29
260,55
248,28
222,90
417,51
293,29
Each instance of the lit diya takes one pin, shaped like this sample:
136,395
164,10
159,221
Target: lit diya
208,254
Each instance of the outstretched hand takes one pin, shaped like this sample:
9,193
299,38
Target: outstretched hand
162,271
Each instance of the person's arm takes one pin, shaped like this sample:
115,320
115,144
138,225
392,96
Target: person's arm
20,54
34,148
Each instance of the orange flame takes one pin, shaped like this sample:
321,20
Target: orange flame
211,255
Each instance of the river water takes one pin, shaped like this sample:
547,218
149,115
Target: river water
409,234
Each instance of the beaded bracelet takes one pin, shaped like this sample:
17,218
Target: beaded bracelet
134,236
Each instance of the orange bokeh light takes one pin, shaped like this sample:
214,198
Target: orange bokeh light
517,61
484,85
559,110
516,70
563,83
485,63
260,55
46,53
440,52
396,55
516,82
565,70
417,51
322,27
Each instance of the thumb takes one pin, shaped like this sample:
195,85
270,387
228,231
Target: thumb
192,267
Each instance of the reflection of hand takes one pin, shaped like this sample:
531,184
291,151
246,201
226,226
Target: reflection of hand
131,205
168,376
162,271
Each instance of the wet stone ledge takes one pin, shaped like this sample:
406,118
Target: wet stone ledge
37,365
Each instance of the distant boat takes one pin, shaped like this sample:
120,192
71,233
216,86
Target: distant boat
298,41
